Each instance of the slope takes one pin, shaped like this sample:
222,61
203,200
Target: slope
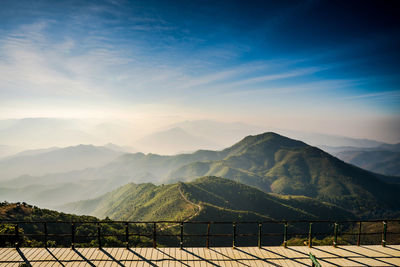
78,184
205,197
274,163
379,161
138,202
32,229
270,162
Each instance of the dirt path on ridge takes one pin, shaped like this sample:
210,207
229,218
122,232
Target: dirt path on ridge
199,208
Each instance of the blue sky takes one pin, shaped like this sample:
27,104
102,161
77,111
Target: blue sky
321,66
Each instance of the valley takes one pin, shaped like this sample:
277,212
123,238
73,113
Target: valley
270,162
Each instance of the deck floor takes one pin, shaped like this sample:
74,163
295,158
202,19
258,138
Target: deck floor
242,256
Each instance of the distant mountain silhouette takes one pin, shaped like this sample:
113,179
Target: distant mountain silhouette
55,160
173,141
270,162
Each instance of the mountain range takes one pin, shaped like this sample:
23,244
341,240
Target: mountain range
274,163
187,136
55,160
169,141
383,159
270,162
210,199
206,198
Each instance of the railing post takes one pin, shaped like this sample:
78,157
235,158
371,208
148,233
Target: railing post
127,235
259,234
17,244
359,234
181,237
154,235
233,234
208,236
99,235
310,236
45,234
384,233
335,232
72,236
285,235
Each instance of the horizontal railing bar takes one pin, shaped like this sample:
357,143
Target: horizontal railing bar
238,234
203,235
201,222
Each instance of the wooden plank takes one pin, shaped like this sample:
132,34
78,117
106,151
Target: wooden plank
292,257
59,252
272,256
14,256
28,252
219,258
256,260
4,251
367,257
8,252
40,255
144,252
257,252
336,256
243,256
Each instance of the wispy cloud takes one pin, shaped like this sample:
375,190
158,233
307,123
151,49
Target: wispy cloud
376,96
316,87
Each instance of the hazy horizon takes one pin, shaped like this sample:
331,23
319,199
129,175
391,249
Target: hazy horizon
166,138
144,66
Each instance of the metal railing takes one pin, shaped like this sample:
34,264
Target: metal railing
177,229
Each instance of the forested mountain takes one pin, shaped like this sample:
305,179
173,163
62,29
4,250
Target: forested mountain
207,198
384,162
281,165
58,188
210,199
270,162
383,159
31,234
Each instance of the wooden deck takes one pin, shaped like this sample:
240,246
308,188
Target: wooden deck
243,256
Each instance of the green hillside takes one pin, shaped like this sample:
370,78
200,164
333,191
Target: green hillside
277,164
30,232
193,200
208,199
77,185
228,194
269,162
143,202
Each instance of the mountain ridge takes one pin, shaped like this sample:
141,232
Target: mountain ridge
269,161
195,199
286,166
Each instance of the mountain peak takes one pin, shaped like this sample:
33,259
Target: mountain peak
264,141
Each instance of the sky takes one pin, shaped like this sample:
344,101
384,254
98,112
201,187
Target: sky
318,66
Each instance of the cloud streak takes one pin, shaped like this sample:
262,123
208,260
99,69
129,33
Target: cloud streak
101,57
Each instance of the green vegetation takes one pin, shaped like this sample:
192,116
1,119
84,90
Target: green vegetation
27,213
133,202
269,162
274,163
180,201
207,199
348,235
